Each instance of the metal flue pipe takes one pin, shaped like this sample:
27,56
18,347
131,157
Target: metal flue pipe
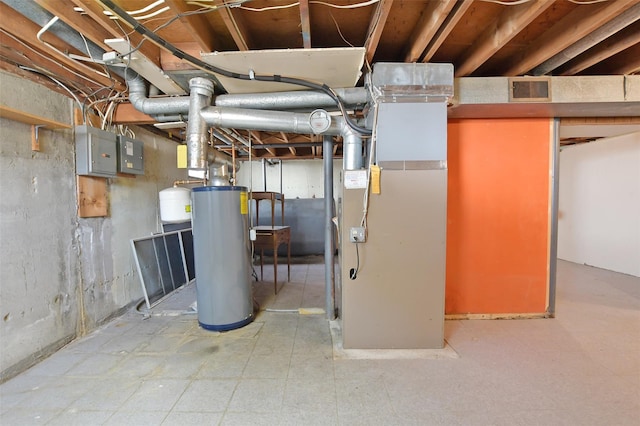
351,149
197,146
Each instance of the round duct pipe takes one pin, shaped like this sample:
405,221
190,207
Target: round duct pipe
156,106
197,146
351,149
265,120
293,99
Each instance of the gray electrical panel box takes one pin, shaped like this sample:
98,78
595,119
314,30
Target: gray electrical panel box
130,155
96,153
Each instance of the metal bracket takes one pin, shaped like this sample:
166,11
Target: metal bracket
35,142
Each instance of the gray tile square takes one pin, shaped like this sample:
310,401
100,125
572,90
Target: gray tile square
311,395
156,395
258,395
74,417
205,395
190,418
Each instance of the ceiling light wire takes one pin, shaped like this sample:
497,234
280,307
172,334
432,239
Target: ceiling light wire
44,29
507,3
587,1
287,6
340,32
82,76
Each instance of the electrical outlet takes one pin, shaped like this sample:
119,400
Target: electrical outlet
357,234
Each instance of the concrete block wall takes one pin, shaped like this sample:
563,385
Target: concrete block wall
62,275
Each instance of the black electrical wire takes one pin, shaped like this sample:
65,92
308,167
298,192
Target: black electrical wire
353,272
140,28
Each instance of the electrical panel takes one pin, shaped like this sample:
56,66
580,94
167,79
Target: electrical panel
130,155
96,153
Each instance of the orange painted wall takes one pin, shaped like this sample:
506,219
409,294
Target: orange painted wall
498,215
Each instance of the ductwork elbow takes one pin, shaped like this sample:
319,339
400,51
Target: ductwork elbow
137,89
156,106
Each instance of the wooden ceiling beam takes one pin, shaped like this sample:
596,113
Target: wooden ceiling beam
565,32
196,24
376,26
170,62
624,63
77,20
609,47
285,139
95,12
432,17
305,24
234,25
499,32
258,137
21,53
16,24
445,29
125,113
614,26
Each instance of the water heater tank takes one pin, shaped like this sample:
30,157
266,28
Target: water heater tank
175,205
222,257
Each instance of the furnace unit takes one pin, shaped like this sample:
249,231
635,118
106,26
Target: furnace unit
396,300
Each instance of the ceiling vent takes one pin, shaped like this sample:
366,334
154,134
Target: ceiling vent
530,89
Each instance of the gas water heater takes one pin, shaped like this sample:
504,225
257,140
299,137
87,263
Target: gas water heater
222,257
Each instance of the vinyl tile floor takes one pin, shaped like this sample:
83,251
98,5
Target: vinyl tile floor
580,368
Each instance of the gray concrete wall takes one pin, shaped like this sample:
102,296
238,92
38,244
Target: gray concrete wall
60,275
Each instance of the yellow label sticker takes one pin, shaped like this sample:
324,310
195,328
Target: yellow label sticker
181,154
244,203
375,179
187,208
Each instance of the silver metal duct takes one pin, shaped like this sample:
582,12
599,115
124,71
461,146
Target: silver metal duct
197,146
351,149
273,121
219,175
293,100
156,106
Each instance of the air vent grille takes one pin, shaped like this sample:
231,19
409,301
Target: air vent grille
530,89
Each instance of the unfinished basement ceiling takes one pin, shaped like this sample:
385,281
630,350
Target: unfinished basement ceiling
481,38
